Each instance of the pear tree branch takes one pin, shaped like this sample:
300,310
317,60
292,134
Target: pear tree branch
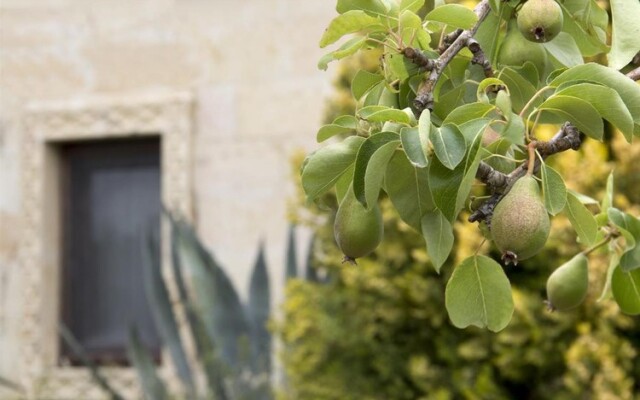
567,138
424,96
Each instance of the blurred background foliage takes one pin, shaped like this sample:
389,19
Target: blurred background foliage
379,330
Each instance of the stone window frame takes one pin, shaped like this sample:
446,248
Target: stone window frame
169,116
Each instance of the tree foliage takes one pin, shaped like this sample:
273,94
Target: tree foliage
445,108
382,329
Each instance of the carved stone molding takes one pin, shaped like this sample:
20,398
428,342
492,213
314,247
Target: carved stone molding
170,117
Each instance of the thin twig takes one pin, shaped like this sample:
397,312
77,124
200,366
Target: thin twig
480,58
448,39
419,58
531,149
493,178
634,74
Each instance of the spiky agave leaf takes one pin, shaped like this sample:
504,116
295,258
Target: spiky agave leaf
292,264
311,272
258,310
215,297
205,346
152,386
163,313
11,385
79,351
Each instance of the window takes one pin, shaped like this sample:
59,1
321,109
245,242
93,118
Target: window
111,201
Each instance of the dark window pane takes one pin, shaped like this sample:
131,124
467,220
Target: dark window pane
112,201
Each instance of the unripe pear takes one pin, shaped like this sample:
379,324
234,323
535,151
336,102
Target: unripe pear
516,50
357,231
567,286
520,223
540,20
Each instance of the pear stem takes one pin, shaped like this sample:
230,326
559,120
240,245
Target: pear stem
480,246
596,246
502,157
532,99
531,147
611,233
533,128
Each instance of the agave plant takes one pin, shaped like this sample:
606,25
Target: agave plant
291,270
232,343
11,385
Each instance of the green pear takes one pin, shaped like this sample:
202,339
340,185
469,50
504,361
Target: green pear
540,20
567,286
520,224
357,231
516,50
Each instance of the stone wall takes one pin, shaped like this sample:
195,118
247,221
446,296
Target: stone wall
250,67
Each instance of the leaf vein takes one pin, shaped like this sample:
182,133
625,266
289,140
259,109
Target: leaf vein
484,304
634,286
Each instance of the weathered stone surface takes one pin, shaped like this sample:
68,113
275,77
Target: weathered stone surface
251,67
